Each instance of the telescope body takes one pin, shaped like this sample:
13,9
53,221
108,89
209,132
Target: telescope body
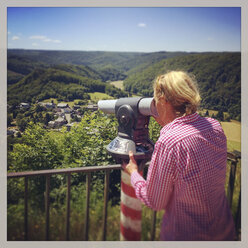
133,115
146,105
107,106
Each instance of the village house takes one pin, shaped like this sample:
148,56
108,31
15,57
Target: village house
76,107
57,123
62,105
24,105
48,105
66,110
12,132
92,107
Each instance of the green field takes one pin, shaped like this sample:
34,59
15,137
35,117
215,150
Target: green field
50,100
118,84
96,96
233,133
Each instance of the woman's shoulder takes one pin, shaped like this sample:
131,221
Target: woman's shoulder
215,124
180,130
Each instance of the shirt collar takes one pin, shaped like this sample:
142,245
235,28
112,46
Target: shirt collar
182,119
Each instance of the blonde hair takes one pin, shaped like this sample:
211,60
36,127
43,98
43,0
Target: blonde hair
180,90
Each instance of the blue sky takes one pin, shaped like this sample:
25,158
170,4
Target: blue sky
125,29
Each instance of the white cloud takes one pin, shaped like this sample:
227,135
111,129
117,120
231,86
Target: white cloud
44,39
47,40
56,41
9,32
210,38
142,25
15,38
35,44
37,37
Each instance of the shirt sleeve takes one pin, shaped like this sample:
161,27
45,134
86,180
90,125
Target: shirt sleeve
156,191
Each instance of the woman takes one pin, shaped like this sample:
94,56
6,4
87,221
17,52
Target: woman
187,172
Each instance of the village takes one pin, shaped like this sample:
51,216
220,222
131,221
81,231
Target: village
63,115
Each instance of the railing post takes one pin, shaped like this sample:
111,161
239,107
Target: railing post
105,211
47,206
153,231
68,199
86,220
26,209
231,182
238,216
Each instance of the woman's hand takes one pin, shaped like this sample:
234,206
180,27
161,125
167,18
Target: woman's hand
132,165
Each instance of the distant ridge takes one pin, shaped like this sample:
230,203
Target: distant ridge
218,73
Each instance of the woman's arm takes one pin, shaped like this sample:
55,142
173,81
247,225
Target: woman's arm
156,191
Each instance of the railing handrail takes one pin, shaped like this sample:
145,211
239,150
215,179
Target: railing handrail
85,169
63,171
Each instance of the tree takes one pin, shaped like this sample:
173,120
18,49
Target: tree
39,150
48,117
220,115
9,119
22,123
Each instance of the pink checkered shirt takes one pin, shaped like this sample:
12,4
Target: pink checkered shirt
186,178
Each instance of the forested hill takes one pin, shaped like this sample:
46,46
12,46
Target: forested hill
218,76
64,82
38,74
111,65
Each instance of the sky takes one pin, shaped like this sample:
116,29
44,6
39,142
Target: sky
125,29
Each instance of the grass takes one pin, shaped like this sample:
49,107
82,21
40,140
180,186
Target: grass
233,145
232,131
96,96
51,99
118,84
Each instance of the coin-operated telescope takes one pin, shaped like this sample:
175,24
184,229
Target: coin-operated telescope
133,115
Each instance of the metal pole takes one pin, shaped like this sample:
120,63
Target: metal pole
47,206
231,182
105,210
86,220
153,232
130,223
26,209
68,199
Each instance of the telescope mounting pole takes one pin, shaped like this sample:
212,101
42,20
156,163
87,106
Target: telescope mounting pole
130,216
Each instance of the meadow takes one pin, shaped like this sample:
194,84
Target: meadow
118,84
233,133
96,96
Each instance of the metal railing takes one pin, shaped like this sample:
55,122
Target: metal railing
234,158
68,172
